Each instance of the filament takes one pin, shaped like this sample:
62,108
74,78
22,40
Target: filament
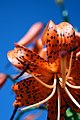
70,63
58,90
70,85
41,82
72,98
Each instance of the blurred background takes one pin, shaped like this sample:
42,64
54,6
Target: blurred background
16,17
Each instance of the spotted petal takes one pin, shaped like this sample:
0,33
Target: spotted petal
29,91
74,80
21,56
53,107
58,38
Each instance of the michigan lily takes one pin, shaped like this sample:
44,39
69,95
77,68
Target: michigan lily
55,80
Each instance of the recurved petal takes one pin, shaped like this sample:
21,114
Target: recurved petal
69,101
46,32
29,91
49,38
58,38
32,33
24,55
12,56
63,108
77,37
75,72
74,80
43,53
21,56
38,45
53,107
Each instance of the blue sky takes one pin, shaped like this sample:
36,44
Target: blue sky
16,16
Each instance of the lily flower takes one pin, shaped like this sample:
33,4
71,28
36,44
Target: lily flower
55,80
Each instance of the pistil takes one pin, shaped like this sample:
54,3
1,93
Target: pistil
63,61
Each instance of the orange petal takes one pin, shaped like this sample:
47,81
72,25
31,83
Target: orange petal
58,38
75,72
66,36
21,56
31,34
77,37
70,102
29,91
38,46
53,107
63,105
75,75
46,33
43,53
49,38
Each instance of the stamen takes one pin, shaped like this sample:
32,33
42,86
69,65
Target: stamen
70,85
44,84
41,82
72,98
70,63
70,78
24,63
60,81
21,61
43,101
58,90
